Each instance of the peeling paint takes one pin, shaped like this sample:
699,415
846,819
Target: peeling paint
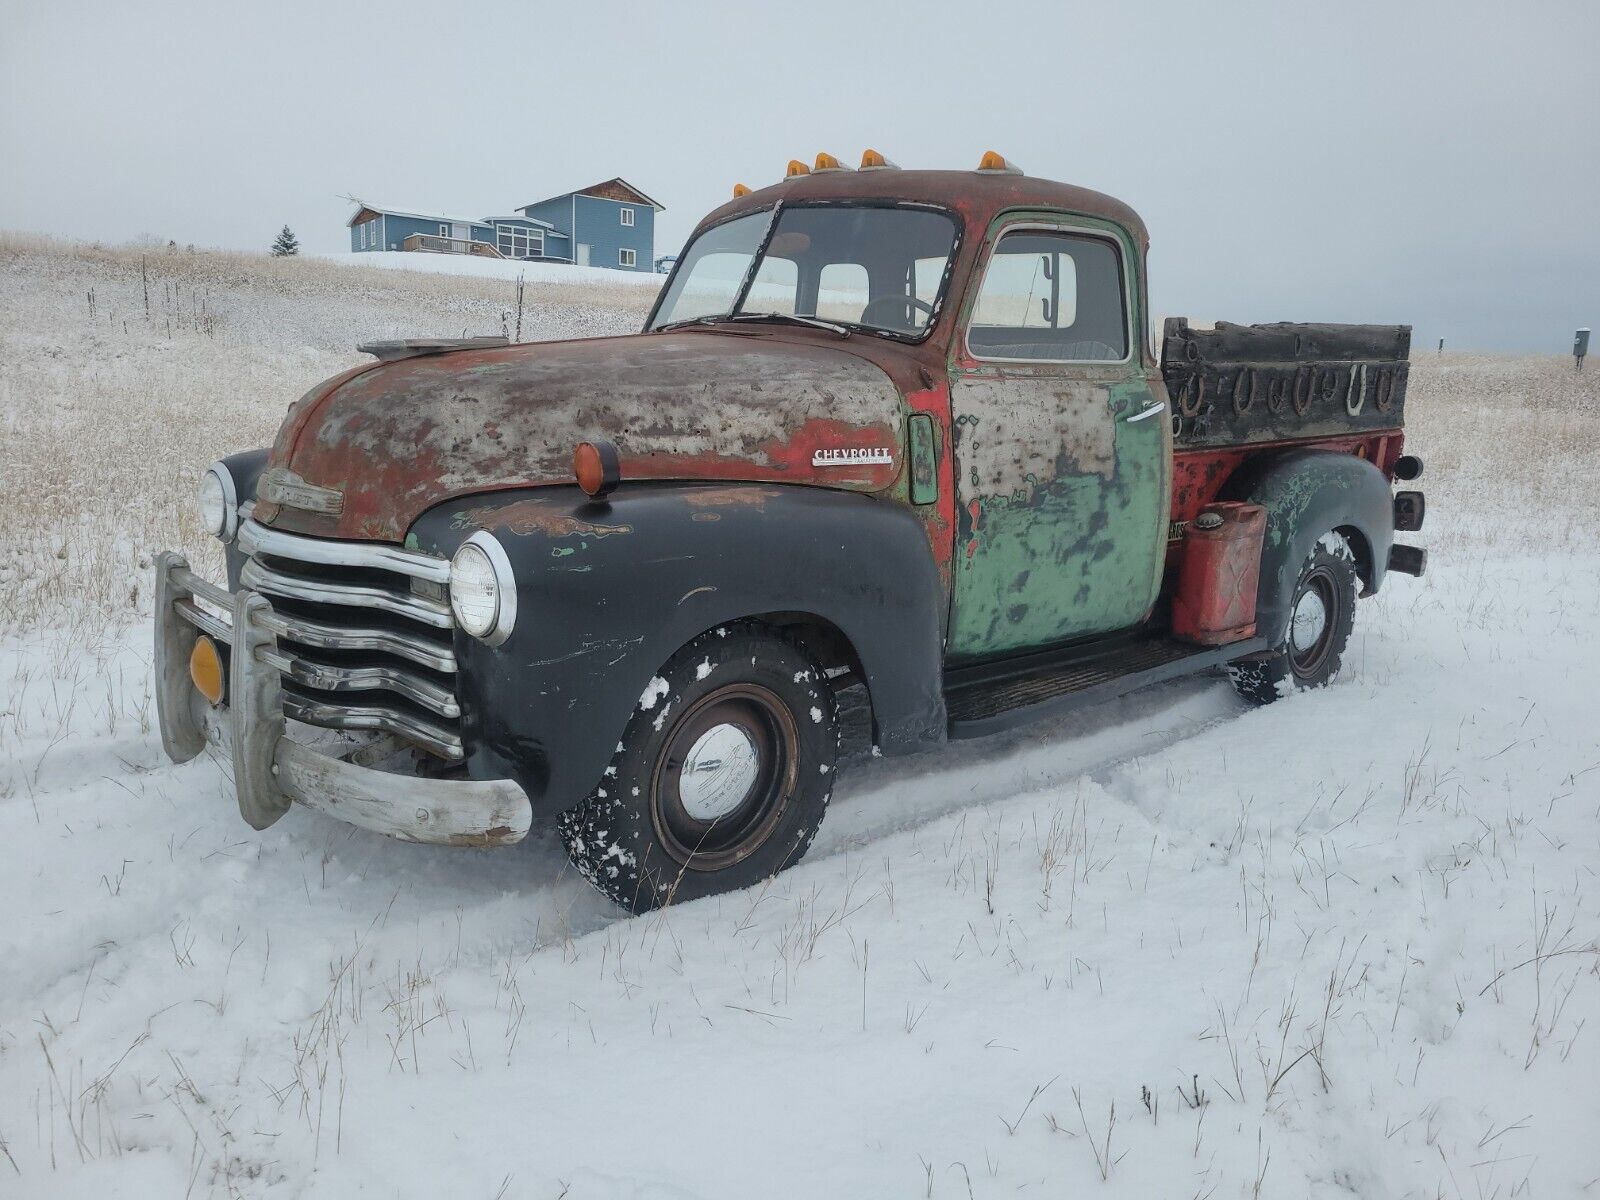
401,437
729,497
529,516
1064,506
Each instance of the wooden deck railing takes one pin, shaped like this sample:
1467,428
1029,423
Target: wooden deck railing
434,244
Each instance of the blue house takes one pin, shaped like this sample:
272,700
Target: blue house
611,224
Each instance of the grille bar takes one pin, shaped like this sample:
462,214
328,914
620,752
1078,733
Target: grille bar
258,539
329,678
274,582
416,647
362,635
441,741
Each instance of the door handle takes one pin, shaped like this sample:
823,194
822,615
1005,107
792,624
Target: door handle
1151,411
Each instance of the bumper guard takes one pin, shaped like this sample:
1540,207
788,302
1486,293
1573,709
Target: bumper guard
270,771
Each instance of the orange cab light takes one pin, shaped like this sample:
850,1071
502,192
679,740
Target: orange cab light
996,162
827,162
739,189
871,160
205,669
597,468
796,167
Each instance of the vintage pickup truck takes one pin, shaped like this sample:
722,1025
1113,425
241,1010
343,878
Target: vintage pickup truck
897,429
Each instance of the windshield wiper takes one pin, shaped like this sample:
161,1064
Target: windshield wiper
690,322
793,318
753,318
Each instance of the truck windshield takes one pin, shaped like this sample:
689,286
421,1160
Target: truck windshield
873,268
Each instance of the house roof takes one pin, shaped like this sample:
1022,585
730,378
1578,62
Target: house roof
616,182
362,208
528,219
421,214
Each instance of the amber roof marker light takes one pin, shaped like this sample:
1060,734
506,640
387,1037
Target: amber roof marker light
827,162
796,167
739,190
597,467
997,164
871,160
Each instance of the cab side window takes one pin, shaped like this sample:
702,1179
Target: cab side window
1051,297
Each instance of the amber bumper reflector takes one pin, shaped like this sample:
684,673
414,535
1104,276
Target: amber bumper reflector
205,668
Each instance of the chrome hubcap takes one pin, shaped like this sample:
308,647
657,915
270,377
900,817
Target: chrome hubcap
718,772
1309,622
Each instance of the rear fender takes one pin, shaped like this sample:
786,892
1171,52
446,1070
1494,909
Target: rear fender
608,592
1308,493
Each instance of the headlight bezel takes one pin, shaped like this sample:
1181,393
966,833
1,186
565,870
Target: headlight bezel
504,620
228,527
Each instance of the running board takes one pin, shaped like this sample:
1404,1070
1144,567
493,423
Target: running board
981,708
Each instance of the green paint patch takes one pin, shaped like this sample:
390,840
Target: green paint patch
1075,551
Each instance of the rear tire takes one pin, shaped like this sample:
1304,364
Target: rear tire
1321,614
722,776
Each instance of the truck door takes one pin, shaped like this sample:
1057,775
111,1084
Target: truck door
1063,448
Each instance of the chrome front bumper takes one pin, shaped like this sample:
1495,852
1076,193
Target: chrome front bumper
270,770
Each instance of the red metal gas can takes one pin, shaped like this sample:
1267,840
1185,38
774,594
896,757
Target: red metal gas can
1216,598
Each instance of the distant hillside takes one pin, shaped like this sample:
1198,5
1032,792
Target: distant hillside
125,371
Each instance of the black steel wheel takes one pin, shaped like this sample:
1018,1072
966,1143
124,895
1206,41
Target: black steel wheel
721,778
1314,622
1321,615
721,784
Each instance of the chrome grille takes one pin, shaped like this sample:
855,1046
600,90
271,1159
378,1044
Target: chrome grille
363,635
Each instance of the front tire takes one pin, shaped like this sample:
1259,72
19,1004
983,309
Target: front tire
722,776
1322,613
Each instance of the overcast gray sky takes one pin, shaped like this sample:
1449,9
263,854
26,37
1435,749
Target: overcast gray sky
1430,163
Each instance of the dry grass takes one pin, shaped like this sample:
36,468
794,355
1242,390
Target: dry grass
1510,438
124,371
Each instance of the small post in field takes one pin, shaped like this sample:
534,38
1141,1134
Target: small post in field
1580,346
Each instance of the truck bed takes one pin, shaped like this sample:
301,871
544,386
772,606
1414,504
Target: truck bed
1236,385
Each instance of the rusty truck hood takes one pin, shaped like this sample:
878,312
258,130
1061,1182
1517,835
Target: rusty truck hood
367,452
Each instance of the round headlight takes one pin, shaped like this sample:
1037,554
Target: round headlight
219,508
483,594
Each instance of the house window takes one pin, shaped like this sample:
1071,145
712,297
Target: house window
627,258
363,241
518,241
444,229
627,216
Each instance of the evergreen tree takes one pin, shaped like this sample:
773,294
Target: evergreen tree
286,244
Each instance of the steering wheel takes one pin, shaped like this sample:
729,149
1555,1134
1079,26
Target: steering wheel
906,304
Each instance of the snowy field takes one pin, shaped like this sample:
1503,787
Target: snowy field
496,268
1342,946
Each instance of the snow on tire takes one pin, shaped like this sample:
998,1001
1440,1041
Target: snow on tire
1322,612
722,776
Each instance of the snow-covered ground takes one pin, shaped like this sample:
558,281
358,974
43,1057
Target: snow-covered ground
1341,946
495,268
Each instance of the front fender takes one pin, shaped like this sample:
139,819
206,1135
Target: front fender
608,592
245,467
1308,493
